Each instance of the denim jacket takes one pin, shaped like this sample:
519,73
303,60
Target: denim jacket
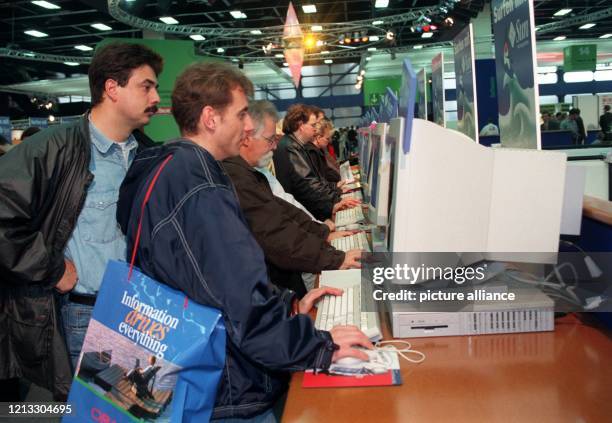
195,238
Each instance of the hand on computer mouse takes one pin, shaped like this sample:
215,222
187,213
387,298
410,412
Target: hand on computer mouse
347,337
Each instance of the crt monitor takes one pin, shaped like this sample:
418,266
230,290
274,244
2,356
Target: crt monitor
381,175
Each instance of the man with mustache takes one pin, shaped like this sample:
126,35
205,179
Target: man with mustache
292,242
58,197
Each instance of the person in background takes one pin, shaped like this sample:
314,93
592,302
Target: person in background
490,129
58,195
291,241
581,139
569,124
320,155
297,173
605,123
195,238
29,132
549,122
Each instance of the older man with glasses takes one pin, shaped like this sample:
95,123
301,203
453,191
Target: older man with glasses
292,242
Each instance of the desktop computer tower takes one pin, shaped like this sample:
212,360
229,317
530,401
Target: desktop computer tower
532,311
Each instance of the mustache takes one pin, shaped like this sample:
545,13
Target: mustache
152,109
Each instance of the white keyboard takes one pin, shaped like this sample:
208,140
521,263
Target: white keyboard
349,308
357,195
358,241
345,172
349,216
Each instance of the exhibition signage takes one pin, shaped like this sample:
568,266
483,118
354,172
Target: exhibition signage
467,111
39,122
515,61
422,94
580,58
437,89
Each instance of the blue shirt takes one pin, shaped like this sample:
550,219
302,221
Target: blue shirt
97,237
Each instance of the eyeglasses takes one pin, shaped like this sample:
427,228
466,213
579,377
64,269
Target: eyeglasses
274,139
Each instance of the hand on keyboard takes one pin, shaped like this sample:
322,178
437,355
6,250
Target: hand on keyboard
345,203
314,295
352,260
347,337
339,234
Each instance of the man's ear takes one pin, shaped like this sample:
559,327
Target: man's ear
209,118
110,89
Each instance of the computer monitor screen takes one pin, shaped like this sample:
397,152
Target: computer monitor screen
374,160
392,104
407,98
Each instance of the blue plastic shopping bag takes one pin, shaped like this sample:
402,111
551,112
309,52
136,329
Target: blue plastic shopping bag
148,354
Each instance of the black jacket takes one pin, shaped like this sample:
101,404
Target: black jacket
297,174
195,239
43,184
317,156
292,242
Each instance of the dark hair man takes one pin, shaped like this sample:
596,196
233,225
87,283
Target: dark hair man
297,173
195,238
291,241
58,195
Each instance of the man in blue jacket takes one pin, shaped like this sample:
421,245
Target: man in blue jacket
195,238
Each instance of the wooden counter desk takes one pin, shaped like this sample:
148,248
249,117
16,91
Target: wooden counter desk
559,376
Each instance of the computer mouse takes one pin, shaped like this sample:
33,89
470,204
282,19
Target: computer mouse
349,361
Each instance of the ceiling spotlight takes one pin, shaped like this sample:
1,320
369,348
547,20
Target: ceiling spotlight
309,41
379,4
35,33
427,35
325,52
51,118
256,32
587,26
390,35
418,47
83,47
315,28
285,64
560,38
101,27
378,22
197,37
562,12
309,8
368,59
328,61
237,14
449,21
220,50
279,55
71,63
374,38
169,20
347,40
46,5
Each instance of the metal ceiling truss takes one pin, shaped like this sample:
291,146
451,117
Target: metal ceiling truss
228,38
576,20
41,57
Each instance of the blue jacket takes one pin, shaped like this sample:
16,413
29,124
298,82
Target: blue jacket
195,238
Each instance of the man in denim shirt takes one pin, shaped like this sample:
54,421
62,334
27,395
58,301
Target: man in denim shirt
58,194
124,97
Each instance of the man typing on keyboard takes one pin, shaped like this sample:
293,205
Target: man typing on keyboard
292,242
